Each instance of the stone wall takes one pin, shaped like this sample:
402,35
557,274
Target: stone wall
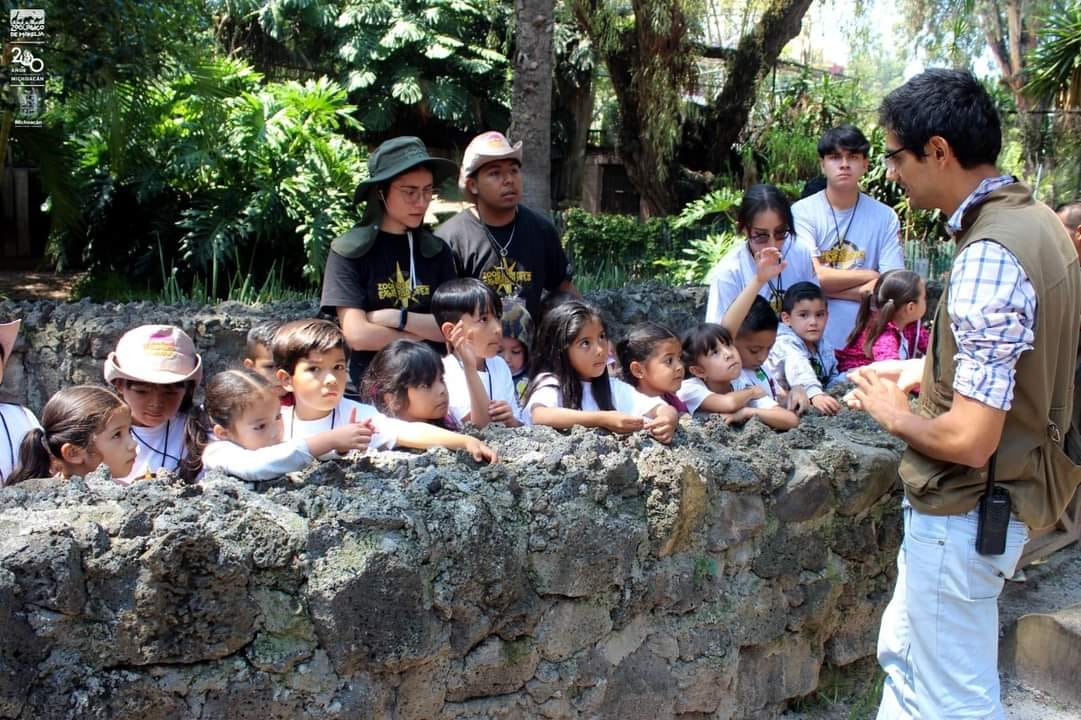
586,576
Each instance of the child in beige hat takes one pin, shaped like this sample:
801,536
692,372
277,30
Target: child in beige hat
155,370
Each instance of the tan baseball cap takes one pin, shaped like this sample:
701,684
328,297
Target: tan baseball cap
485,148
158,354
8,333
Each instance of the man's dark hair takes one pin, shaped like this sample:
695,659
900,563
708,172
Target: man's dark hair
760,317
843,137
1072,214
799,292
464,296
813,186
951,104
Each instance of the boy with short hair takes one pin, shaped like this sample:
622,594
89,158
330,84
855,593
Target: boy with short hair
259,356
311,357
479,381
802,356
754,339
853,237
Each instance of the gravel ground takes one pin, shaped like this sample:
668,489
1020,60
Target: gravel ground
1053,584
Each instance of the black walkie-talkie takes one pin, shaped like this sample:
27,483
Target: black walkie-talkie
993,516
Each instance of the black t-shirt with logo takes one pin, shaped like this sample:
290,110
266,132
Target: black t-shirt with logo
534,260
381,279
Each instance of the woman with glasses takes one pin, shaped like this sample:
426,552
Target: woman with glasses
765,218
380,275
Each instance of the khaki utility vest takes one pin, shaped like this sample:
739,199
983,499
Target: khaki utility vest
1030,462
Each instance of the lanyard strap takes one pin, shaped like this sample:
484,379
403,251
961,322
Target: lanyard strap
293,418
165,452
412,265
11,447
836,227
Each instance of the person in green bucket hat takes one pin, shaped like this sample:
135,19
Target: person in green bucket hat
380,275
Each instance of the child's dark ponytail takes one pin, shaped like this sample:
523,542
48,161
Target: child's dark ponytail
863,317
196,438
639,345
35,459
894,290
72,416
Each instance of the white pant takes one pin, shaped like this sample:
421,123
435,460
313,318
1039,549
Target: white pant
939,637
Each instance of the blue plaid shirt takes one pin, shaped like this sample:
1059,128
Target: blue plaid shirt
992,308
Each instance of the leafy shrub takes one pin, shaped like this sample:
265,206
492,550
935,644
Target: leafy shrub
595,241
700,256
713,207
215,171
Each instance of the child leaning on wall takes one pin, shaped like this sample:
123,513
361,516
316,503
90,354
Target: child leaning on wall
312,357
15,420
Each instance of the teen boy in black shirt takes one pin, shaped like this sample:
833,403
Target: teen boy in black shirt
511,248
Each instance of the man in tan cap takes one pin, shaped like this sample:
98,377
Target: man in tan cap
511,248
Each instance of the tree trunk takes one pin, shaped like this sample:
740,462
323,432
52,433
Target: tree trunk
531,99
752,59
578,104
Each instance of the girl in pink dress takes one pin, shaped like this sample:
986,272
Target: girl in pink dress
888,326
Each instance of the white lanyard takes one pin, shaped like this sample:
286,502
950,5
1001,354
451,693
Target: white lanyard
412,264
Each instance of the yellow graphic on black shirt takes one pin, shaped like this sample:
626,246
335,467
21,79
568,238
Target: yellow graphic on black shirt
843,256
399,289
505,277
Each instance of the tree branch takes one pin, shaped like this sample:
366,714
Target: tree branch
750,61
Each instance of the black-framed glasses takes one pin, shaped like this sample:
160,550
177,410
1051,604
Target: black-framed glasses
887,158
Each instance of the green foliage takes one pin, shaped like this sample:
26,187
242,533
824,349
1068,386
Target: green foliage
592,241
783,138
699,257
1054,66
93,42
214,166
710,208
402,63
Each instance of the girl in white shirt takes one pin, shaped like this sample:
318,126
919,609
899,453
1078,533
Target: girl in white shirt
571,385
243,410
15,420
84,426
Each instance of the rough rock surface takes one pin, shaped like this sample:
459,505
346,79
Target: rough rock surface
587,576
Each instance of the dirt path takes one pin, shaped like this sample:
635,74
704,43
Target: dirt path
25,285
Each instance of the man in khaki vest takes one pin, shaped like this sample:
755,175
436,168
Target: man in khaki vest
995,391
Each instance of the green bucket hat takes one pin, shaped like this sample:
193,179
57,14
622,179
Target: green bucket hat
391,159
